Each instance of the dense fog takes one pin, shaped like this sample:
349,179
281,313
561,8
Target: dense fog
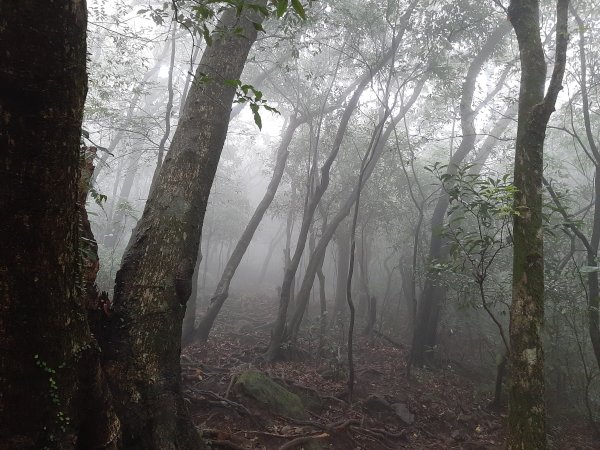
302,224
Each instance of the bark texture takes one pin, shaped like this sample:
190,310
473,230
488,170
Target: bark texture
527,413
155,280
52,392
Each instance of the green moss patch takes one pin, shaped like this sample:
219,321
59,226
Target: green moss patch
271,394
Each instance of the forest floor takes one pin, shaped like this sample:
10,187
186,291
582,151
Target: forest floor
434,409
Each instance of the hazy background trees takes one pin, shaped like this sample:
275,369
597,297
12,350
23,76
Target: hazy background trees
410,106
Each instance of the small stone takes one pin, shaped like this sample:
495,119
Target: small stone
404,413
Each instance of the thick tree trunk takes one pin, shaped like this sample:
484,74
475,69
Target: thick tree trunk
53,394
433,295
155,280
527,413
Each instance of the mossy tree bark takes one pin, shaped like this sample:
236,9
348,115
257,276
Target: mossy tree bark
52,391
141,357
527,418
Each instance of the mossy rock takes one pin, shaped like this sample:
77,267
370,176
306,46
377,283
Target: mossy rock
309,398
271,394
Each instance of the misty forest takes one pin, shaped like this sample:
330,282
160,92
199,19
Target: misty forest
299,224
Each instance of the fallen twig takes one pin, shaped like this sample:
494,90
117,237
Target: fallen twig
303,440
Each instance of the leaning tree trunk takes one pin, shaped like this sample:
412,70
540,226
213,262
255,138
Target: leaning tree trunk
279,332
53,394
527,413
329,231
279,329
155,279
222,290
433,295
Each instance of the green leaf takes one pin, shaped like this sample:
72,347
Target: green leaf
282,6
299,8
232,83
271,109
258,120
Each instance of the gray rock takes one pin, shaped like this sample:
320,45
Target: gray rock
404,413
